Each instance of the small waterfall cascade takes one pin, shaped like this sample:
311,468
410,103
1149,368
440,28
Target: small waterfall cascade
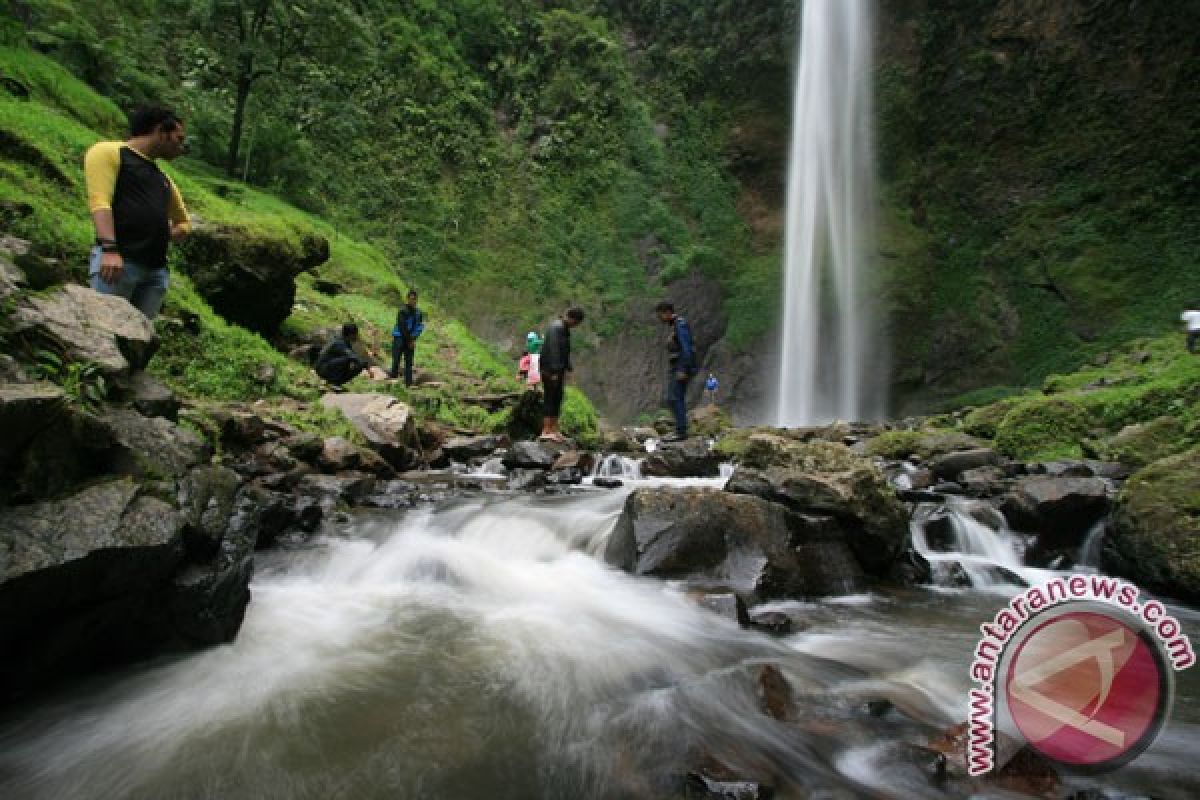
969,544
1089,551
618,466
828,333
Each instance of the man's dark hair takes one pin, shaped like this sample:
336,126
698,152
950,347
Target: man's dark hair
146,119
349,330
665,305
575,314
411,293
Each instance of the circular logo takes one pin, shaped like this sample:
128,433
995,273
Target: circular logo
1087,690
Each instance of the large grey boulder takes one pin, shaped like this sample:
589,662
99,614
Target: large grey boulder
209,595
534,455
824,478
83,581
90,327
713,538
26,410
46,445
464,448
690,458
1060,510
387,424
152,447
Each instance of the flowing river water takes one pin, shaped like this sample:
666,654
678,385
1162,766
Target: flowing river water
483,649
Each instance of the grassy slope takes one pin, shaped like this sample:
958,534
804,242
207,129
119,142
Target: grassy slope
45,137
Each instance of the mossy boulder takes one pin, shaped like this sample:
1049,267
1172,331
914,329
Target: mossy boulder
248,276
1043,427
984,421
1144,443
1155,537
921,444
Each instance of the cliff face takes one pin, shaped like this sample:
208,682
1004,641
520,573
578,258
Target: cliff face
1040,170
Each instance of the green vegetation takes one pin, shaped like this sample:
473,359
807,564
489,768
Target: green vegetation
1153,384
203,357
1040,191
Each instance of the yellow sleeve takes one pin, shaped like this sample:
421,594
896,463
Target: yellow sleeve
100,167
176,210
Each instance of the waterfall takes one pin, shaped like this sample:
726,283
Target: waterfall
828,332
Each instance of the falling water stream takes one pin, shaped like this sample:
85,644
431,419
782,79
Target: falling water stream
829,366
483,649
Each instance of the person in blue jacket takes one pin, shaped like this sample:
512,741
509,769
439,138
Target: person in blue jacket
681,353
410,322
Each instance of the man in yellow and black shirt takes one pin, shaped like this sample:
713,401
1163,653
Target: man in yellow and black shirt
137,210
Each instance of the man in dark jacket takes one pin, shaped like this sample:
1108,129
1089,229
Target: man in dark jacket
681,353
555,364
410,323
339,362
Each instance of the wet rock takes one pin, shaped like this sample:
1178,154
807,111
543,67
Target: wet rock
526,480
608,483
1154,539
724,604
828,479
984,481
306,447
570,476
1018,767
533,455
152,447
494,466
1060,510
465,448
56,449
239,428
26,410
574,459
148,396
206,499
747,544
775,622
686,459
333,490
338,455
698,786
775,696
922,496
950,466
83,581
396,494
89,326
209,596
387,424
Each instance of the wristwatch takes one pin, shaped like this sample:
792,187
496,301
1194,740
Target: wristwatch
107,245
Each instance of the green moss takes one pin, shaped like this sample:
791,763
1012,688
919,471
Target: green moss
1043,428
895,444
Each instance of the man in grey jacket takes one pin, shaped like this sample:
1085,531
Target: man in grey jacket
556,363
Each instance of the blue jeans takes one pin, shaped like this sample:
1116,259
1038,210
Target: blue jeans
144,288
677,398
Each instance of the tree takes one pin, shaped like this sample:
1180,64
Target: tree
259,39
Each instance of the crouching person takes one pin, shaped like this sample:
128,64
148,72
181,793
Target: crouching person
338,362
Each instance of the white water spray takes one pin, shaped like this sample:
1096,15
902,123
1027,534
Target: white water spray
828,330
